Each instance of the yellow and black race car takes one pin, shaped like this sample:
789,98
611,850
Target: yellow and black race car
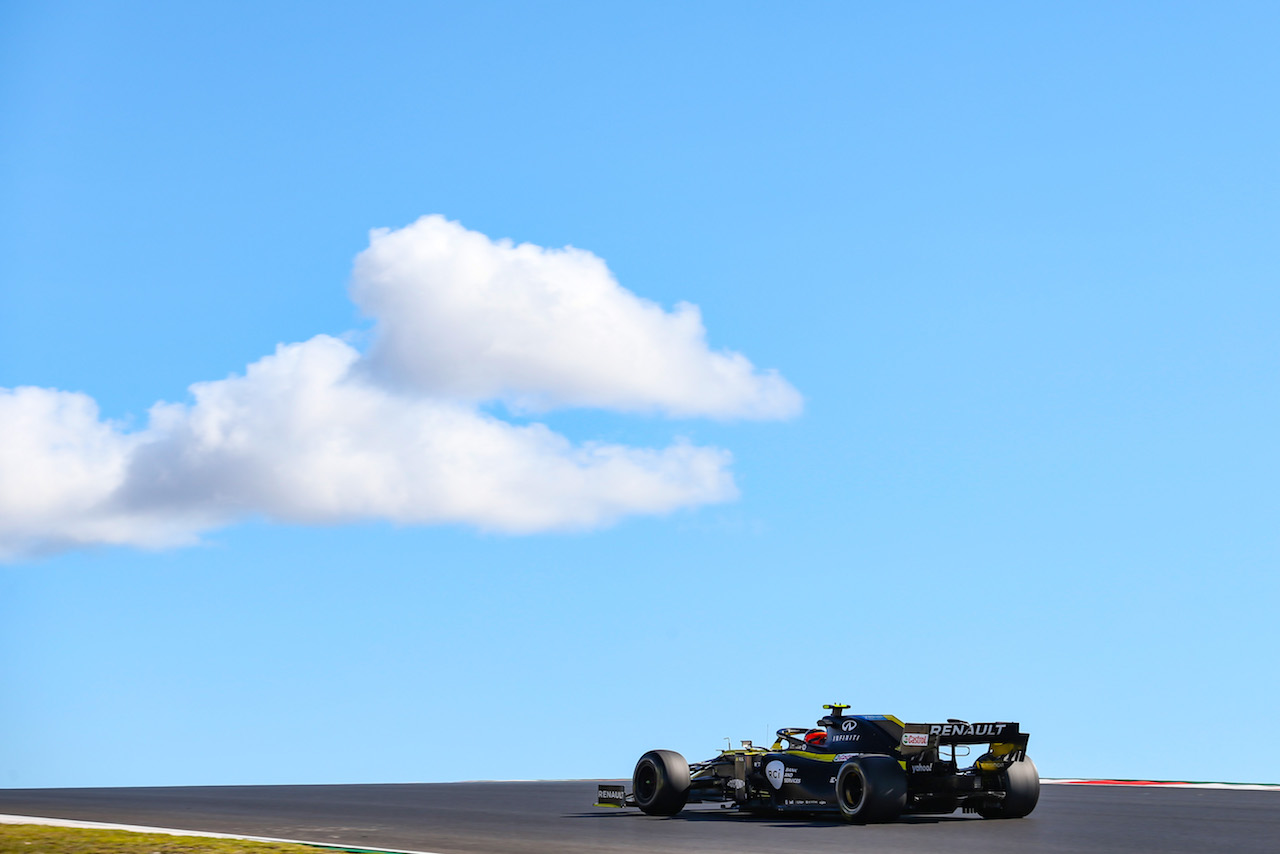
867,768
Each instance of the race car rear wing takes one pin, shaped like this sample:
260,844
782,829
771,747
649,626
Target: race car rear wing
1006,739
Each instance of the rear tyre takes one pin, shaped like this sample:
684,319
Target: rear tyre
871,788
1021,784
661,782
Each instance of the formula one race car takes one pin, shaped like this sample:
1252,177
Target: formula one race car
866,768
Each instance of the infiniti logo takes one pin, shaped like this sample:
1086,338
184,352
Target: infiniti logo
848,726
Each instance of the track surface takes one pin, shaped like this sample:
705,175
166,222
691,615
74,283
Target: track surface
477,818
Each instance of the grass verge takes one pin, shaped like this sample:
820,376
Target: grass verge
39,839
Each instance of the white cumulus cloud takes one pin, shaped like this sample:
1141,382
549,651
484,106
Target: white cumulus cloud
319,433
465,316
59,466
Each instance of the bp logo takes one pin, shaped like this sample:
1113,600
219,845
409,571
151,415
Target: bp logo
774,772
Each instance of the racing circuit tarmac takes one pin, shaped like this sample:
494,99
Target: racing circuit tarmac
477,818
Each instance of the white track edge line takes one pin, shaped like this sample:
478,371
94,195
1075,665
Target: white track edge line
169,831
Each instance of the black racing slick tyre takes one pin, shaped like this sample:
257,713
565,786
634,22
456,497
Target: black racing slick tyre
871,788
661,782
1021,784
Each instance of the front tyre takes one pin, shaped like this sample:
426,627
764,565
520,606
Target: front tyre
1021,784
661,782
871,788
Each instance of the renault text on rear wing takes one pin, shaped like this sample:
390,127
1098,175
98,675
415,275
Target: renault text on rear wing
1007,736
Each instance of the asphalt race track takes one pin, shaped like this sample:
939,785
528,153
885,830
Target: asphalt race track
476,818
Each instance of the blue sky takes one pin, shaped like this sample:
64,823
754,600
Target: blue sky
1020,263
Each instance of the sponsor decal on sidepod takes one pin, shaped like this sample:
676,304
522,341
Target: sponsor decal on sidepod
774,771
